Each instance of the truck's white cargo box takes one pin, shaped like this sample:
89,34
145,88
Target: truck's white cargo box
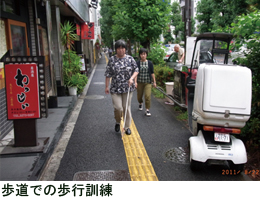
223,93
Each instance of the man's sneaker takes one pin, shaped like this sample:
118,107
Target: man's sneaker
141,106
148,114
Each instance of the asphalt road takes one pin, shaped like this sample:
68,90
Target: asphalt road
95,146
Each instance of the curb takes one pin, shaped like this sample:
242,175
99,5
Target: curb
52,165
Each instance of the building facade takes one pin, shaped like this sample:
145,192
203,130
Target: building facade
32,28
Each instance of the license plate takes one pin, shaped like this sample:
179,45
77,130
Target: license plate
221,137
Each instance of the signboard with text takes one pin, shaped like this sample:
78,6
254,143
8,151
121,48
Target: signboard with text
87,31
22,91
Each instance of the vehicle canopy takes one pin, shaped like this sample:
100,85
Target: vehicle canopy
215,43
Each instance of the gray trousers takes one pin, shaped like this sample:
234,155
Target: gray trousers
119,103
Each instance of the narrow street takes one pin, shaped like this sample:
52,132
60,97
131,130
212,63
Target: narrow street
58,133
157,149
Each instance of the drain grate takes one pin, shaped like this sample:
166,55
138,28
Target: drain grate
178,155
106,175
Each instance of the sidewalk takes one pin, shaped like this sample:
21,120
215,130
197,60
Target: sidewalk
89,145
82,141
27,163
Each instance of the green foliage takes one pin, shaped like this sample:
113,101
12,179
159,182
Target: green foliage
68,35
192,26
204,12
163,74
214,14
71,66
185,69
78,80
71,71
176,21
106,21
245,26
168,37
252,129
225,11
183,116
254,4
177,18
140,20
157,54
177,109
244,29
71,61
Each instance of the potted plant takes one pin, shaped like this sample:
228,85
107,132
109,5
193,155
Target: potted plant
71,71
68,35
71,61
76,81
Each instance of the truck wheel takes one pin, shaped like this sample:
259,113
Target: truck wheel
196,165
237,167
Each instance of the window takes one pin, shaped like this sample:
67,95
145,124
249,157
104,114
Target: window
44,47
3,50
17,38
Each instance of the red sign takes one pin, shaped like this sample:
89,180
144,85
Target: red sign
78,29
22,92
87,31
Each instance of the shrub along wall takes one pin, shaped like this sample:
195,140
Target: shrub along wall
163,74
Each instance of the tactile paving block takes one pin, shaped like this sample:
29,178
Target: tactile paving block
139,164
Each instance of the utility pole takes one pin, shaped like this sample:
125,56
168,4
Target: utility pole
187,20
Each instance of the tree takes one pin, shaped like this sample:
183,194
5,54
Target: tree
141,20
106,21
254,3
204,16
176,19
192,25
214,14
225,11
168,37
246,29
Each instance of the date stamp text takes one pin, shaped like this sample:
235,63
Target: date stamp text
236,172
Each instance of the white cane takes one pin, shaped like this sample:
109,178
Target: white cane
126,107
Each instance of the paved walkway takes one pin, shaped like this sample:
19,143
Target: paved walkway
84,146
25,163
90,149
